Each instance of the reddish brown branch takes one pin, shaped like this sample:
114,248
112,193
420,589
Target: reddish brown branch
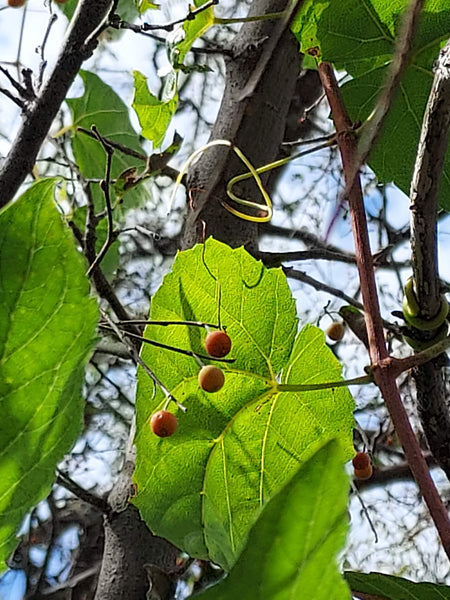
383,372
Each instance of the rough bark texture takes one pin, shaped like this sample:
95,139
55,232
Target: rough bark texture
129,550
255,123
135,562
432,404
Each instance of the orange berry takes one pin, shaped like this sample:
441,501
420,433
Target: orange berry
363,473
164,423
16,3
361,460
211,379
336,331
218,344
362,465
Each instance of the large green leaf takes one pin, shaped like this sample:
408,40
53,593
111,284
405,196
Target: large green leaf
102,107
47,329
291,549
358,37
387,587
234,449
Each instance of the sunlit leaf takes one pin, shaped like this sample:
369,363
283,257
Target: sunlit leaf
154,114
387,587
203,487
47,330
291,549
358,37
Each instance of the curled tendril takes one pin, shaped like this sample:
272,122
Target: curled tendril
266,208
411,310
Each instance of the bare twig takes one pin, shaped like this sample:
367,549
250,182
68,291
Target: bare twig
43,110
41,48
322,287
104,184
117,23
72,486
276,259
171,348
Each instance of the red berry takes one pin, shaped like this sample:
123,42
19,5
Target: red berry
362,465
211,378
336,331
164,423
363,473
218,344
361,460
16,3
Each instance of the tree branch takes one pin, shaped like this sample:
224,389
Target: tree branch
432,404
255,124
39,115
379,356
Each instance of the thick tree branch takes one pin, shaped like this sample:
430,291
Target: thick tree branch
39,114
381,362
432,403
252,116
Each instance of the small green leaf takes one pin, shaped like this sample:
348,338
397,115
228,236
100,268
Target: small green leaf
359,38
47,331
144,5
102,107
291,549
233,450
181,40
154,114
387,587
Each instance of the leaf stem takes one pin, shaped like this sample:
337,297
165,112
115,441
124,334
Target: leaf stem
311,387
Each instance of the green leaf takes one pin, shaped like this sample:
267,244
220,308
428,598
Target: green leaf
291,549
387,587
102,107
154,115
358,37
144,5
181,40
47,331
233,450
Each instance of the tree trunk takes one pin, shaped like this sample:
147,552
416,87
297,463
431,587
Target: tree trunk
255,123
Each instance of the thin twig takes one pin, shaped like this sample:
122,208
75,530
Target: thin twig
41,48
276,259
124,149
138,360
72,486
144,27
322,287
191,353
105,184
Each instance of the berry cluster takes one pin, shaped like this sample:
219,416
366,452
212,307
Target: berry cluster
210,379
